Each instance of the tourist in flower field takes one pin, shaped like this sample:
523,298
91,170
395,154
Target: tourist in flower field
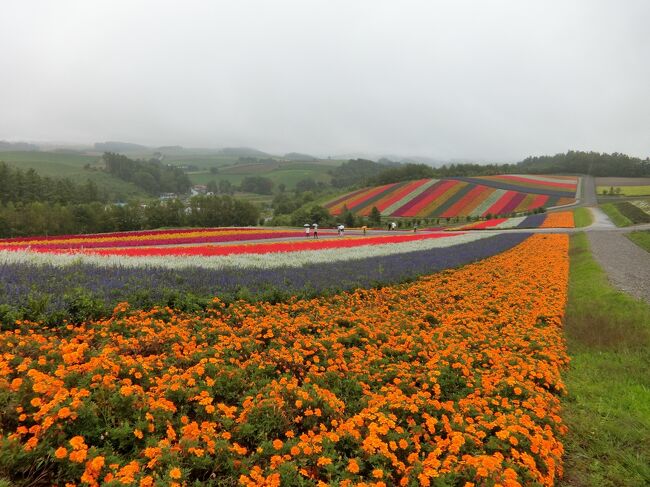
307,227
364,228
315,225
393,226
415,228
340,229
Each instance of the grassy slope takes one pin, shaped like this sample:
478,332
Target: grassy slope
616,216
287,173
71,165
582,217
641,238
608,406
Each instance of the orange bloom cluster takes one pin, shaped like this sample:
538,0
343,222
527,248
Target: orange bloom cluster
452,378
561,219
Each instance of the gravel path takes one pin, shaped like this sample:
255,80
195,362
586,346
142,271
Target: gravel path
626,264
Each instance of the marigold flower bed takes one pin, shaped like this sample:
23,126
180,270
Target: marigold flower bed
455,376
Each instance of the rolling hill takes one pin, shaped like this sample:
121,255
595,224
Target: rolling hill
451,197
75,166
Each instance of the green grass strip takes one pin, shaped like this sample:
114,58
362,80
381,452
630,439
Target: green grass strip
607,409
616,216
582,217
641,238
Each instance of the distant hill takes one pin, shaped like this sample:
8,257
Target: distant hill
115,146
16,146
297,156
243,152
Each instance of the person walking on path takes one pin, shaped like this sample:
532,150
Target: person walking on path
415,228
307,230
393,226
364,228
340,229
315,230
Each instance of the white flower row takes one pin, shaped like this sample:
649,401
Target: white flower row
260,261
510,223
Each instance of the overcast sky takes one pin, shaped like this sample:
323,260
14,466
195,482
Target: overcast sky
487,80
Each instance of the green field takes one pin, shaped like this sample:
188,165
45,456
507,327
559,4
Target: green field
625,190
641,238
615,215
288,173
607,409
71,165
582,217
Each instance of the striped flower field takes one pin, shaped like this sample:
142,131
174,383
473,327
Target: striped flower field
562,219
448,198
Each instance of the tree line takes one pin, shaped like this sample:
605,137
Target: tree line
45,218
152,176
27,186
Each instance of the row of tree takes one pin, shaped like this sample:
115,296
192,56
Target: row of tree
152,176
19,186
39,218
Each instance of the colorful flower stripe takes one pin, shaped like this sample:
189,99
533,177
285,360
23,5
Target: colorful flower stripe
489,201
562,219
533,221
453,379
467,199
365,207
386,199
252,259
424,203
538,181
133,234
162,239
482,225
406,197
262,248
510,185
452,197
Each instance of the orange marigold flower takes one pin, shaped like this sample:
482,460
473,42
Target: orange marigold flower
175,473
64,412
77,442
61,452
322,461
78,456
353,466
277,444
138,433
